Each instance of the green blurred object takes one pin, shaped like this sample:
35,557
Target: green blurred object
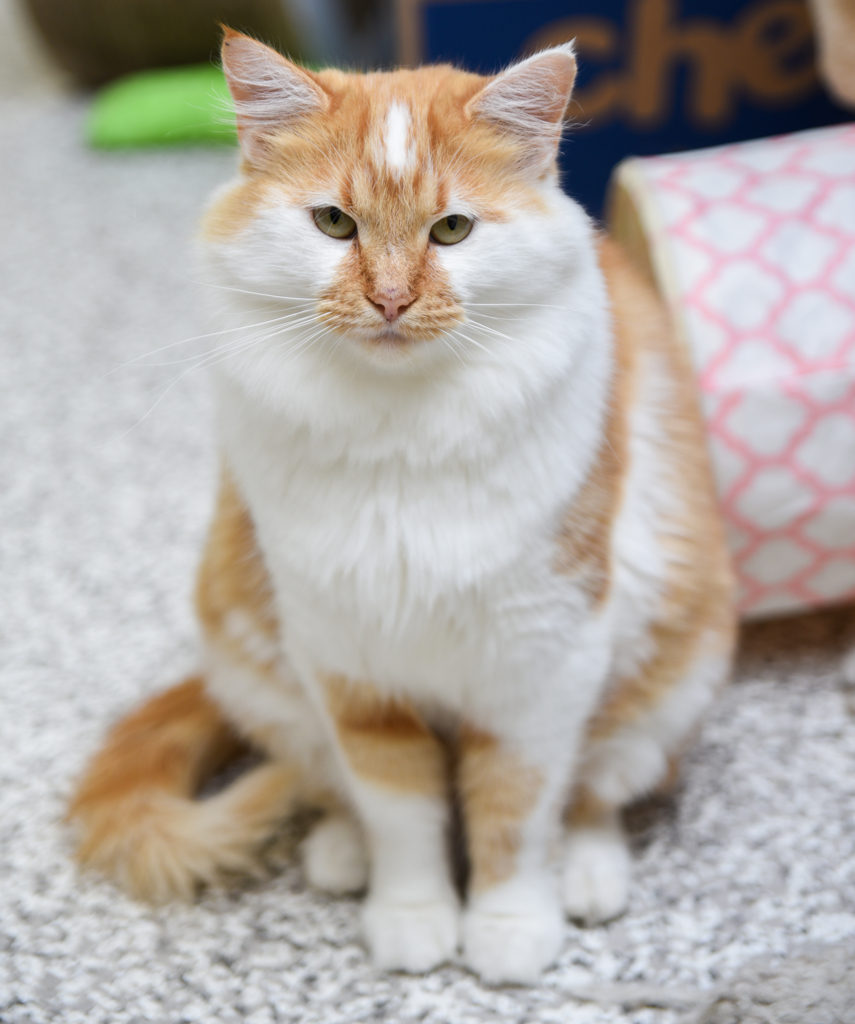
164,107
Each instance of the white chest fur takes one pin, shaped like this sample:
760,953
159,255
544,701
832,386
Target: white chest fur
412,543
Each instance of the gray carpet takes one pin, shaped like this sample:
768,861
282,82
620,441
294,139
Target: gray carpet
104,502
816,986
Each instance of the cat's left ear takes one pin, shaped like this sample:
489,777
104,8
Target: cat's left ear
528,102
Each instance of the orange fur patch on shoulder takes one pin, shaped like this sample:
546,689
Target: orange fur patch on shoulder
385,740
234,596
498,792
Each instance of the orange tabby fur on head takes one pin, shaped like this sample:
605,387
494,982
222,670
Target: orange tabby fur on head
466,539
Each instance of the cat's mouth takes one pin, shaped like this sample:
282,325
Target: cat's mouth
423,321
389,334
394,338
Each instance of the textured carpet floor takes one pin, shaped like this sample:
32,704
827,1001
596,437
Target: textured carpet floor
105,497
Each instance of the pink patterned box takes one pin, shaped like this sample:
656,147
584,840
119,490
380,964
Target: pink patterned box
753,246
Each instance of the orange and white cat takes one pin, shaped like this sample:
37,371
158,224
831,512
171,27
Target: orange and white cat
466,544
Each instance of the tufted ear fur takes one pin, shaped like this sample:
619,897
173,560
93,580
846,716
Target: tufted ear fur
269,92
527,102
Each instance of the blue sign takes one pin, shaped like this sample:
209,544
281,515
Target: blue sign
655,76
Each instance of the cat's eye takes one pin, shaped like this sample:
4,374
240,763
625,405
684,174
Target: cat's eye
334,222
451,229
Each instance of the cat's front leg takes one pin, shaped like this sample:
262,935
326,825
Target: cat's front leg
398,778
511,800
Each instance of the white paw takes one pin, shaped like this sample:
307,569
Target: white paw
411,938
514,947
334,856
596,873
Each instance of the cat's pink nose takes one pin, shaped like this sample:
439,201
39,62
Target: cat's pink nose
391,303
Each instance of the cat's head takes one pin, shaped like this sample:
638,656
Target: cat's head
388,209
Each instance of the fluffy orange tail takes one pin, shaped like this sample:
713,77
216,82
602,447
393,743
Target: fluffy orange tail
137,816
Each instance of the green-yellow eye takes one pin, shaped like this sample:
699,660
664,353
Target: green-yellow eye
453,228
334,222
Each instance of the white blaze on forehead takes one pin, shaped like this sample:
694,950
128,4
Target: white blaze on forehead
397,136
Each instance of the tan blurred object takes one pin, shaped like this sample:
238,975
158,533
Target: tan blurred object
97,40
26,67
835,29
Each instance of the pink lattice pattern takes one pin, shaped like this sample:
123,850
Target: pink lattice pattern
760,241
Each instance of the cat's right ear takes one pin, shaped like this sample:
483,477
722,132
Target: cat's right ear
269,92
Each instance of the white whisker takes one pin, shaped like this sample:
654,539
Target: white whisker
471,341
247,291
138,360
492,330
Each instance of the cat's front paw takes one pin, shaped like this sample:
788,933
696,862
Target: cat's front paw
334,856
513,947
410,937
596,874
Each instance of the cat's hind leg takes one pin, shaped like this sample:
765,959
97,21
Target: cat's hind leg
136,813
136,810
632,749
